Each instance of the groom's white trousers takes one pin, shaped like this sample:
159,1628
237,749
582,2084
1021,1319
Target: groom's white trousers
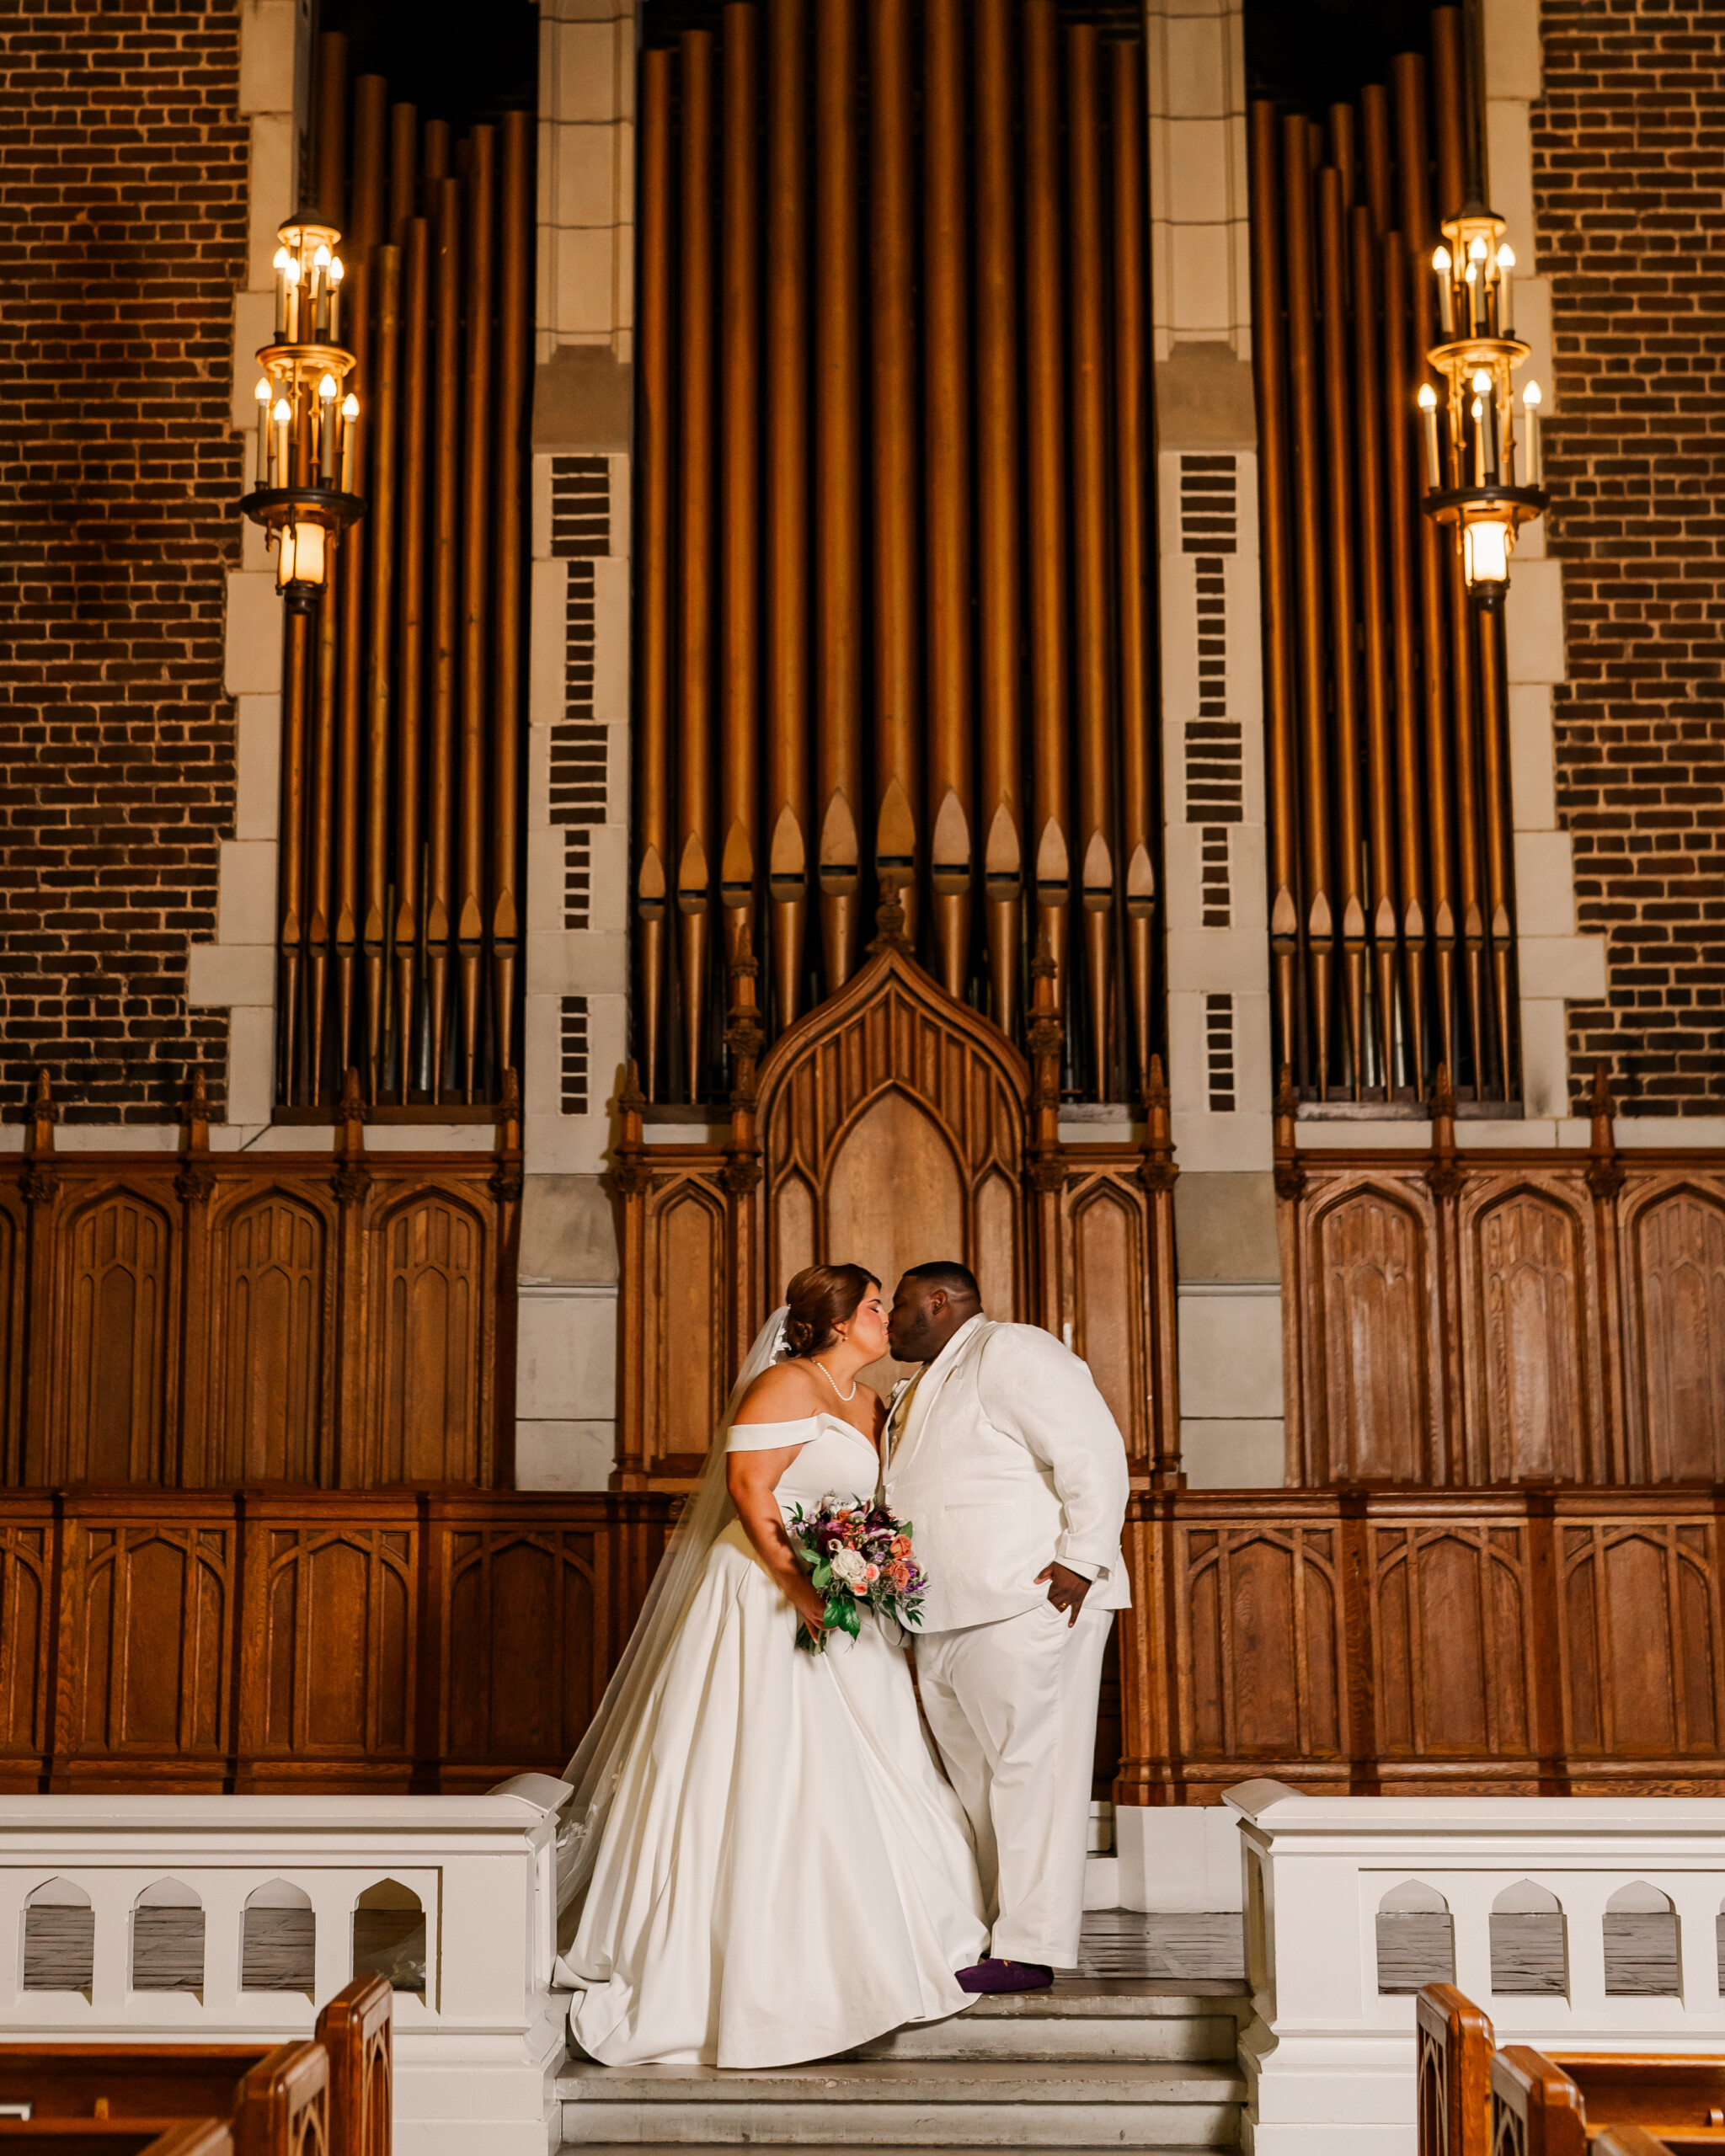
1012,1707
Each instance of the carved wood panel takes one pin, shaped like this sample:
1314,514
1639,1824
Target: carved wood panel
111,1375
689,1365
198,1320
1370,1340
26,1615
1453,1643
334,1660
1640,1619
1676,1398
518,1583
1261,1635
430,1261
1549,1316
269,1355
1530,1333
1102,1221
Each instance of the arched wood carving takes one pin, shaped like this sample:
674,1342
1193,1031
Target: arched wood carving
1677,1337
1527,1340
111,1370
269,1403
892,1126
430,1261
1369,1342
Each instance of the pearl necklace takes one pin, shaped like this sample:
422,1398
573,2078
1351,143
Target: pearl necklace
847,1397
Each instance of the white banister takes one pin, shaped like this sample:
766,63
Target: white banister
1329,2058
473,2056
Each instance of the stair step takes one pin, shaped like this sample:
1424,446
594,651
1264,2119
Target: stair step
914,2103
1079,2021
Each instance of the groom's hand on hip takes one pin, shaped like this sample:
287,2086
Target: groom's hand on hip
1066,1590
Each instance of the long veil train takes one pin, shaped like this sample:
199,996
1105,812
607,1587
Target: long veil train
598,1760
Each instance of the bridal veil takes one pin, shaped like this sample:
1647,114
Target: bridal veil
595,1769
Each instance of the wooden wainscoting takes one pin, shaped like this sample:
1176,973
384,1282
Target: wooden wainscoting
340,1320
1402,1641
1534,1316
277,1638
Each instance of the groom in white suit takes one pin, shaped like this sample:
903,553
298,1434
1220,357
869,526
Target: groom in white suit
1003,1455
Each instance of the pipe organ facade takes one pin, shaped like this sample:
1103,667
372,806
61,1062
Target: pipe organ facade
893,626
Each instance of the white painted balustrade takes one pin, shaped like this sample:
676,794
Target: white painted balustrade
192,1895
1585,1896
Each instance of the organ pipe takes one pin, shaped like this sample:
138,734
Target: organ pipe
891,263
1135,730
946,435
409,848
695,654
787,707
445,586
1093,673
516,231
999,820
1045,488
739,437
838,517
654,432
476,591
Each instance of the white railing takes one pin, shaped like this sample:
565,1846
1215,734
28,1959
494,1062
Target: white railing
473,2051
1329,2056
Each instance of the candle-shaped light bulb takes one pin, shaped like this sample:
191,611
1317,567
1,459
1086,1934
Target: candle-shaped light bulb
1441,267
1428,411
326,429
262,394
1530,407
319,294
350,414
1476,249
336,274
292,326
1471,275
1506,269
1478,415
279,266
282,417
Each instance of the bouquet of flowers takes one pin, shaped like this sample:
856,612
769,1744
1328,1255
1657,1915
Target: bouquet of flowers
857,1555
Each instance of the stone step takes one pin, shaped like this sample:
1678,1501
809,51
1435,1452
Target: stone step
1077,2022
912,2103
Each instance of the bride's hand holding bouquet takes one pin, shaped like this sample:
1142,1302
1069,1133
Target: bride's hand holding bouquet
858,1556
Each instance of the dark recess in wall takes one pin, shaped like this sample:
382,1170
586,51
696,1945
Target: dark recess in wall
437,56
1308,55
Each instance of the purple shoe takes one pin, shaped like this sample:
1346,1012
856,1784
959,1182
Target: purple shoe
991,1975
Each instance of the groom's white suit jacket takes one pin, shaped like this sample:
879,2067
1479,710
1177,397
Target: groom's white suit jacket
1008,1458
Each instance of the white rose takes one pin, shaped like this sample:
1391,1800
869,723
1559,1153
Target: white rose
851,1567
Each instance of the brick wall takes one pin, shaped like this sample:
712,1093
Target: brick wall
1629,174
123,166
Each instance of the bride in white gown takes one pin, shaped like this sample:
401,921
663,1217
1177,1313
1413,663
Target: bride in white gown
765,1862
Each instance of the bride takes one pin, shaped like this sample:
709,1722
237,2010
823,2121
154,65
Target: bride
764,1861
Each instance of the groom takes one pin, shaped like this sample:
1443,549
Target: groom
1003,1455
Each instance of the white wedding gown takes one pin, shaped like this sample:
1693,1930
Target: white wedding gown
783,1872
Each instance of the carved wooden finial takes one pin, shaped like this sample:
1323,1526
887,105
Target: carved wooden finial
1287,1101
45,1113
630,1099
1606,1172
1443,1102
889,924
194,1119
509,1101
1601,1104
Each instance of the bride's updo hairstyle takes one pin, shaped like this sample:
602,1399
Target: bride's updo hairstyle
820,1298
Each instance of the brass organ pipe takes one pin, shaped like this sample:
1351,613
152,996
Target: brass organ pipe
947,434
365,223
1089,502
838,657
403,167
1374,606
515,330
694,871
434,157
740,440
322,836
997,503
445,564
329,146
1400,515
1407,84
374,927
293,831
654,476
409,833
788,712
1493,734
1275,519
1308,563
1044,282
1448,75
1133,561
892,266
481,189
1374,131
